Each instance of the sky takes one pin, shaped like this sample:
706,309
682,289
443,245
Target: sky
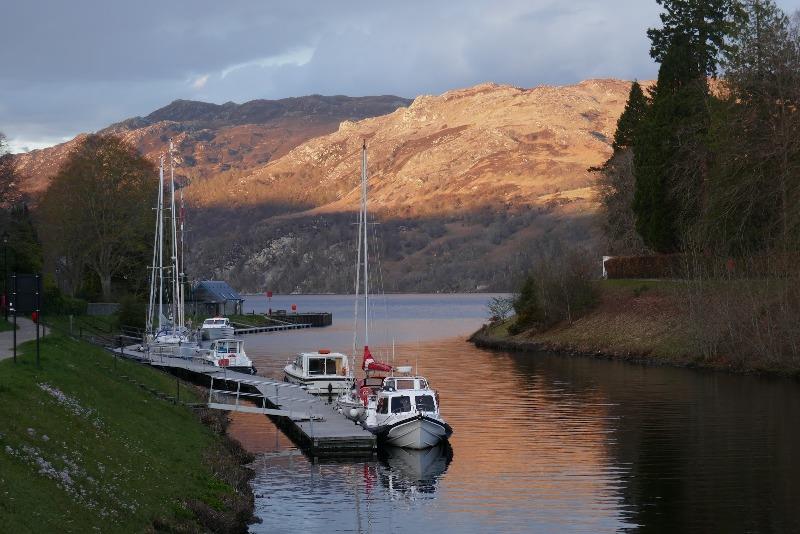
75,66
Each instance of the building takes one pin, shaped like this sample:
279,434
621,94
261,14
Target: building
214,298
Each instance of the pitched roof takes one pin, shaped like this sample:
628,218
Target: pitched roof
216,290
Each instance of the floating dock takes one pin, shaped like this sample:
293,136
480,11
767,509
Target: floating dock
307,419
315,319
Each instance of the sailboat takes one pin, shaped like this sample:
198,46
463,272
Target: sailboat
165,323
399,407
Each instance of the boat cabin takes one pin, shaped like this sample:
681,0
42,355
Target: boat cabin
397,383
216,322
322,363
406,401
221,348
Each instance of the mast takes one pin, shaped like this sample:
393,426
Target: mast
161,242
182,275
152,301
364,217
174,229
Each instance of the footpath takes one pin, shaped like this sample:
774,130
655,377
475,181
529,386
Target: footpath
25,332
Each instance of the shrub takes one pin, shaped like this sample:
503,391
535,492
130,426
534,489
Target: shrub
132,311
557,289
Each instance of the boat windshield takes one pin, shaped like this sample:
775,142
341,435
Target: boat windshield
383,405
401,403
425,403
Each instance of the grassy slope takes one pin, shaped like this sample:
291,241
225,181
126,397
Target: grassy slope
633,318
5,325
114,459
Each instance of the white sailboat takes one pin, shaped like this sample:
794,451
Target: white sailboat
399,408
165,323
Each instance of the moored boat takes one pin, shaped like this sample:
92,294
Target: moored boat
321,372
216,328
227,353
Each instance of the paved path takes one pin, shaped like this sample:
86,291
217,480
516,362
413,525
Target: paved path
25,332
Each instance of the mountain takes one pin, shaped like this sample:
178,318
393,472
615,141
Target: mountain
468,187
212,139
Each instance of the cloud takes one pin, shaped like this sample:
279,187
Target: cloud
87,64
200,82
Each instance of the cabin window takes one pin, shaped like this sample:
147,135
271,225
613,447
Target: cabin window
401,404
383,405
405,383
423,384
323,366
425,403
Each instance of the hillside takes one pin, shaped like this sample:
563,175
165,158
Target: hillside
212,139
467,185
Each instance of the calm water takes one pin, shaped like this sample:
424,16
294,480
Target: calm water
542,443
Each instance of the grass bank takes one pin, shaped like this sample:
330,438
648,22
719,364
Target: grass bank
87,443
5,325
636,320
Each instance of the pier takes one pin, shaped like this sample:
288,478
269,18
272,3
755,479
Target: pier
307,419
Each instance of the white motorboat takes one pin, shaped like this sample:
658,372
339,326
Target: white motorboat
405,413
321,372
227,353
217,328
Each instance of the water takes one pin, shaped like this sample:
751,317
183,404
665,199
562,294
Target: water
542,443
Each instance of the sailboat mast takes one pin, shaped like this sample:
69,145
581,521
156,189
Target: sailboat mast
161,242
175,271
182,262
366,262
152,300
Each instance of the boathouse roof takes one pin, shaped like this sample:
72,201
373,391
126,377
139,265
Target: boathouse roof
215,291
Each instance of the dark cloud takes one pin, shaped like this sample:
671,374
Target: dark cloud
80,65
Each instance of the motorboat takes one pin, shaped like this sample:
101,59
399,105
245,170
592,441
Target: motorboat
216,328
404,412
227,353
321,372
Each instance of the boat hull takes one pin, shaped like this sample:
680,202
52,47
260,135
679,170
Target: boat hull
416,432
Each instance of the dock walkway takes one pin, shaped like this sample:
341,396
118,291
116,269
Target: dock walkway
308,419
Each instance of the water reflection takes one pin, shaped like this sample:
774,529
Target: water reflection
409,472
546,443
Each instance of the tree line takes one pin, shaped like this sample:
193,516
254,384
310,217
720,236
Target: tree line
707,159
91,231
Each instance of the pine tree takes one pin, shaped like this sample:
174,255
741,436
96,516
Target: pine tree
670,152
631,118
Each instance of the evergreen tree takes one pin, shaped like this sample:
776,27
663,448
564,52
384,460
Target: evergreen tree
670,154
631,118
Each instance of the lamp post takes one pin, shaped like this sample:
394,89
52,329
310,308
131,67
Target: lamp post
5,274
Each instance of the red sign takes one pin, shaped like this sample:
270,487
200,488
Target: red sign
224,362
294,307
269,294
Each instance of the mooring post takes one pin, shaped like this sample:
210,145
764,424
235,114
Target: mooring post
38,314
14,311
238,389
211,389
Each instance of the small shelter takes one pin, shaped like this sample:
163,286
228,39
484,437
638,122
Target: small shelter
214,298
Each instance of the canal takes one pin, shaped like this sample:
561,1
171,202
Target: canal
542,443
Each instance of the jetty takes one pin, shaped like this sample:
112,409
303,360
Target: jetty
307,419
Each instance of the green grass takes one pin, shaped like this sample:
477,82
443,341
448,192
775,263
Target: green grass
112,457
5,325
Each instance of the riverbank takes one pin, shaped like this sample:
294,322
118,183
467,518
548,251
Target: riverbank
89,443
637,321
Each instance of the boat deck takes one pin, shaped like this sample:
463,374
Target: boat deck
309,420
